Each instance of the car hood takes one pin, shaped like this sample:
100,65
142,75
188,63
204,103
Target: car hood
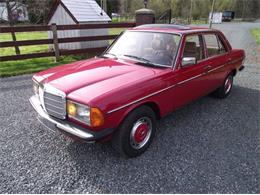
95,77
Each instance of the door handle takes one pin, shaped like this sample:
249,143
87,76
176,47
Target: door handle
207,67
229,60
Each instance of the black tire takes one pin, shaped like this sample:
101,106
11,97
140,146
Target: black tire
122,139
224,90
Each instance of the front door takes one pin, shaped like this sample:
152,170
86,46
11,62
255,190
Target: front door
190,78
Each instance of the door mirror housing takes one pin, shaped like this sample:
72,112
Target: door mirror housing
186,61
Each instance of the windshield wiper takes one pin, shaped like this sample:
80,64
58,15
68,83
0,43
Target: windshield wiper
143,60
138,58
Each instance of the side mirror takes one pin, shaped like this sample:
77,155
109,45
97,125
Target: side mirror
186,61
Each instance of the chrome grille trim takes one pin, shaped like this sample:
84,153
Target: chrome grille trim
54,102
59,108
51,99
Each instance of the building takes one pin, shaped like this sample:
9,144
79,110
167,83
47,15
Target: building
217,17
66,12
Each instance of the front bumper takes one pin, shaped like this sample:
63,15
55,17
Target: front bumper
67,127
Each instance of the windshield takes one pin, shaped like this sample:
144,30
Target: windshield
148,47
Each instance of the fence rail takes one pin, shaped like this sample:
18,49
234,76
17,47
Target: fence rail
66,27
55,41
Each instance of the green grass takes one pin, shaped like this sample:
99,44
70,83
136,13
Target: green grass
116,31
23,36
12,68
256,34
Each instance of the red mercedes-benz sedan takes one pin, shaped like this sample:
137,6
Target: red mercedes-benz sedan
148,72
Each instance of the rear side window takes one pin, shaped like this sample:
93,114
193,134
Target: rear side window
193,47
214,46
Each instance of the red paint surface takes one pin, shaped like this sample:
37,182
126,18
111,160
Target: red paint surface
141,133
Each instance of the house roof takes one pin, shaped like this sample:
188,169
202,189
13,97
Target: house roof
82,10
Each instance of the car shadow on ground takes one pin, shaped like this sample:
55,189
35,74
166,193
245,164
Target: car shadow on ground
210,145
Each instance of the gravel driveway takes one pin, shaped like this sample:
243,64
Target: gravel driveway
210,146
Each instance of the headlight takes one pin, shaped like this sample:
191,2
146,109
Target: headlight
90,116
35,88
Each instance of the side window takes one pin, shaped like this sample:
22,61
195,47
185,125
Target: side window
222,48
193,47
214,46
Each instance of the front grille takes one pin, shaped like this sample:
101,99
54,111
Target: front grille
55,105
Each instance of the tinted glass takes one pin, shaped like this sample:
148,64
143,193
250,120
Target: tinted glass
158,48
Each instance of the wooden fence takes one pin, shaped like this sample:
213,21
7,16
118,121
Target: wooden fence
56,40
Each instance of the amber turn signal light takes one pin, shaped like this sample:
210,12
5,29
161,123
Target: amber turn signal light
96,117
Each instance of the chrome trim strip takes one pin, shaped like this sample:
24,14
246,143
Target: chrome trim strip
235,61
174,64
184,81
59,108
153,31
65,127
55,112
52,90
215,69
52,99
152,94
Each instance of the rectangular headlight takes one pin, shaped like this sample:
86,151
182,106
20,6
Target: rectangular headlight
79,112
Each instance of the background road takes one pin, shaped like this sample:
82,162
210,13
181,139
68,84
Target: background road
210,146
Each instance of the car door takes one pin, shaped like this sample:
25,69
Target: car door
217,58
190,80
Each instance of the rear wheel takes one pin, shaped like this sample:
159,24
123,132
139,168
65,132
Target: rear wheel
136,132
226,87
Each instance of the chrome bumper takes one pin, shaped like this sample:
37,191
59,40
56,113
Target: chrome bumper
52,123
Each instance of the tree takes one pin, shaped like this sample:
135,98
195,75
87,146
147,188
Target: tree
113,6
39,10
201,8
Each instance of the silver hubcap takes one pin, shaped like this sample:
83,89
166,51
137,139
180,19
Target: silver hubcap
228,84
140,132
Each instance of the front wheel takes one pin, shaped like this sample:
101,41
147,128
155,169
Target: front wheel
136,132
226,87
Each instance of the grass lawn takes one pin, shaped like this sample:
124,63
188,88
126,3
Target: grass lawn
12,68
23,36
256,34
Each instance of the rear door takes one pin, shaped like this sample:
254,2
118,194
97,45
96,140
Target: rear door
217,58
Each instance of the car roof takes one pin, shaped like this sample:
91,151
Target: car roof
172,28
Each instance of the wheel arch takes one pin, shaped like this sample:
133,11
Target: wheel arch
153,105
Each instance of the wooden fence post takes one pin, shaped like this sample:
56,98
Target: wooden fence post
55,42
